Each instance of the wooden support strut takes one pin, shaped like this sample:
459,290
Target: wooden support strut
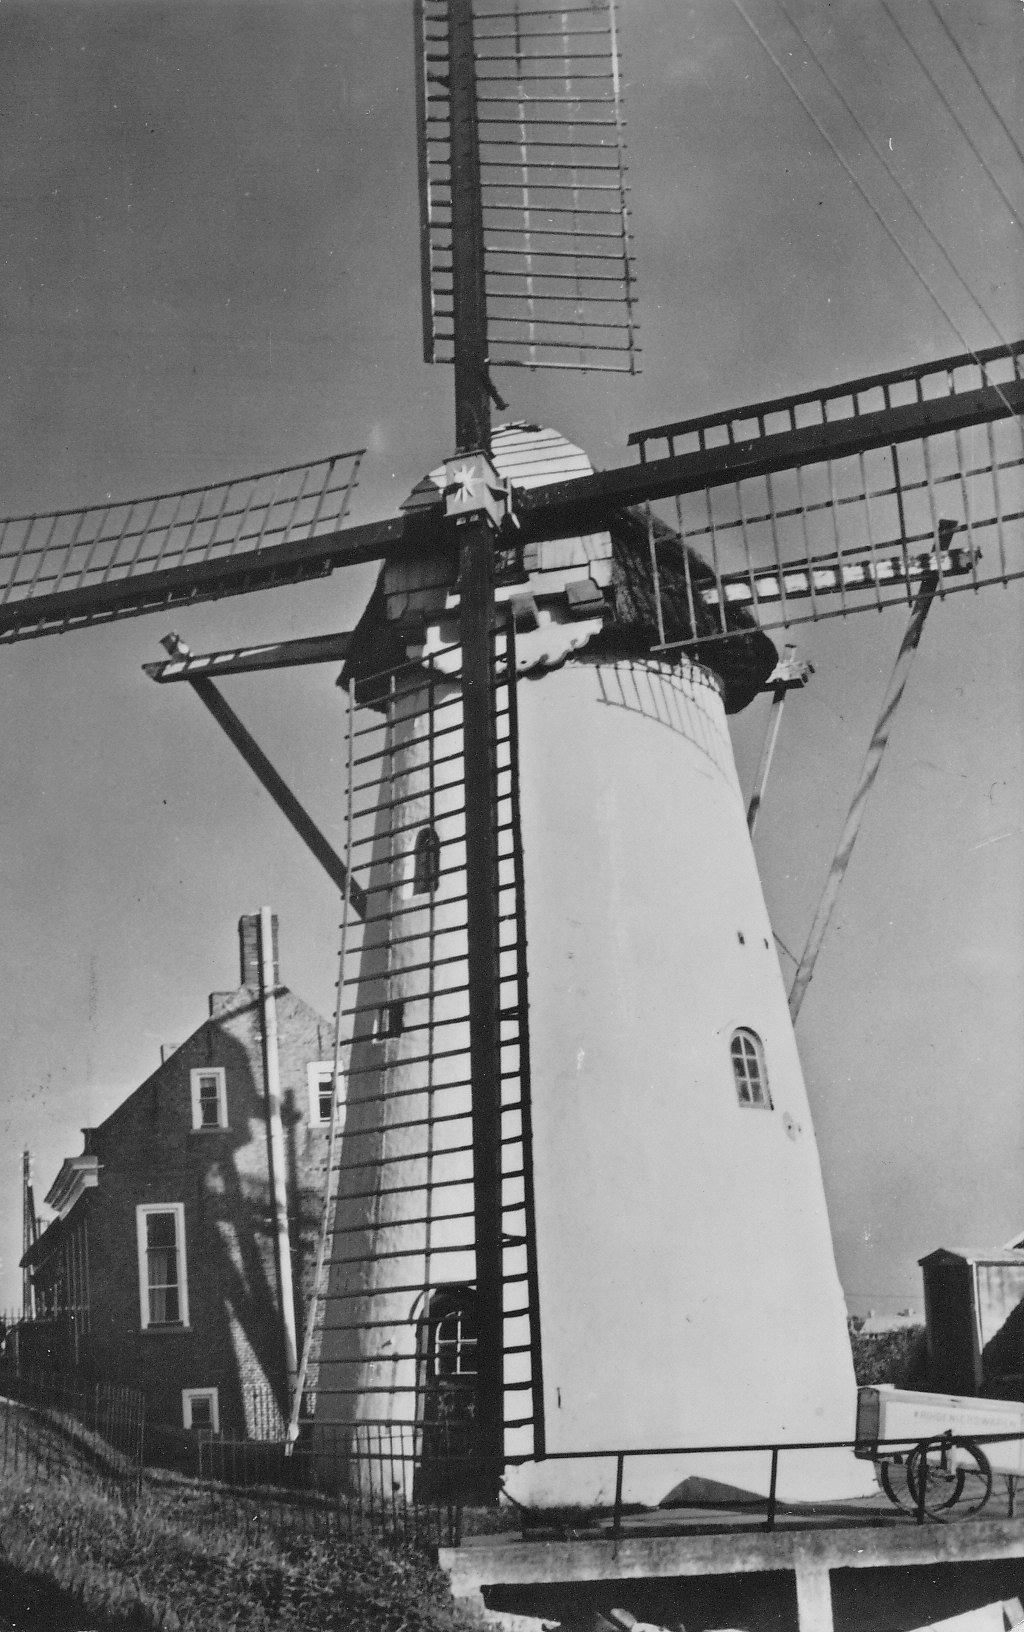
872,763
789,673
272,781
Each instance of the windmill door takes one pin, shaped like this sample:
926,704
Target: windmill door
448,1365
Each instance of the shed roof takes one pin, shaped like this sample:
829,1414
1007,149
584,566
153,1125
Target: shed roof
973,1255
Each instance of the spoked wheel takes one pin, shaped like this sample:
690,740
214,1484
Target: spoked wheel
893,1476
955,1473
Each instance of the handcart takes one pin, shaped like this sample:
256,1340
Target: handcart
936,1453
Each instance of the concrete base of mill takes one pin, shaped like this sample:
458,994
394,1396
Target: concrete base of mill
924,1572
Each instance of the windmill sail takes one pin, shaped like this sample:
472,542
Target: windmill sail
836,500
559,267
70,568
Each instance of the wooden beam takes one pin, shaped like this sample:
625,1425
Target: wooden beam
469,293
279,791
476,619
563,509
281,654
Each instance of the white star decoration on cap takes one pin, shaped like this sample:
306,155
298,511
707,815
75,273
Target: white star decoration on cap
471,481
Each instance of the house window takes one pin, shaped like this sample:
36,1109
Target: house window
200,1410
426,872
163,1283
209,1099
748,1069
320,1077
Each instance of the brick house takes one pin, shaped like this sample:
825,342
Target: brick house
164,1266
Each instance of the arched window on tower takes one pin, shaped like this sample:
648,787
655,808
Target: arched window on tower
426,869
447,1351
748,1069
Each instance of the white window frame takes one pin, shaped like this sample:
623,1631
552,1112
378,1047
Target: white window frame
189,1395
428,841
761,1098
315,1073
222,1098
142,1213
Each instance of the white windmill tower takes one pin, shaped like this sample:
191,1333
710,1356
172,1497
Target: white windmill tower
663,1225
578,1202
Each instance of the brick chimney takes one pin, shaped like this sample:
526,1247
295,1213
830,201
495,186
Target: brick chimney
249,948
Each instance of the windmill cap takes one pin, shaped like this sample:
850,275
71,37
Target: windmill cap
619,582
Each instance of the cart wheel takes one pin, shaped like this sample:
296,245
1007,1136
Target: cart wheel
893,1476
955,1473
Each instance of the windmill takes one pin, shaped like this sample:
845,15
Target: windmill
824,498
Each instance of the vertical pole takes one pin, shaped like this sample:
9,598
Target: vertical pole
476,591
469,295
772,1487
813,1597
476,618
28,1236
275,1141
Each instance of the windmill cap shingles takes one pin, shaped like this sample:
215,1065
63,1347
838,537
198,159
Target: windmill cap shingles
530,456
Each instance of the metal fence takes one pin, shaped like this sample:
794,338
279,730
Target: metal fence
328,1486
338,1482
52,1426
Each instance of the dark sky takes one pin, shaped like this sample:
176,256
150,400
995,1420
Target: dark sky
208,265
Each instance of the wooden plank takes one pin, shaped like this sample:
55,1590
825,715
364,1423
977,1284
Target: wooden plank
281,654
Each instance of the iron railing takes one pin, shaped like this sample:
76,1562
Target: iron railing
338,1483
54,1425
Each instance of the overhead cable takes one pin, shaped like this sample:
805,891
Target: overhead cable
957,47
922,280
1014,212
880,155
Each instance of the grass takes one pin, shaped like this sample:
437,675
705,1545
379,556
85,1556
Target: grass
71,1557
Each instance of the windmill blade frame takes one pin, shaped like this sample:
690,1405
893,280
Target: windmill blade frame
860,513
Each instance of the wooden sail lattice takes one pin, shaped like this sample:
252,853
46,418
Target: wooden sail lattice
933,480
559,270
134,548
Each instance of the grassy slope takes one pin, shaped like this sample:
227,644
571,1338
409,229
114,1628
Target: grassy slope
149,1568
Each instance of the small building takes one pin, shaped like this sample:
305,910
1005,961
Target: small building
164,1265
974,1313
875,1325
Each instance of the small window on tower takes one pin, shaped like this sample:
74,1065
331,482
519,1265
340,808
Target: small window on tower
426,873
389,1020
748,1069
